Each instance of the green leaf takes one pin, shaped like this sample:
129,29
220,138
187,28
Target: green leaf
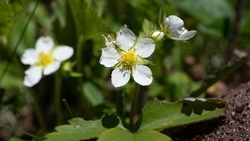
118,134
158,115
180,84
77,129
15,139
209,10
92,93
222,73
87,22
9,14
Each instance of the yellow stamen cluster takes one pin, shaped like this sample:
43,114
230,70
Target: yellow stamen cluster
129,59
45,59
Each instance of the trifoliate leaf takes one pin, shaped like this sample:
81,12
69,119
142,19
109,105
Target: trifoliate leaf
77,129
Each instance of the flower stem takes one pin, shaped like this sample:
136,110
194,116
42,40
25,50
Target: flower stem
177,56
19,130
37,108
57,98
133,111
65,103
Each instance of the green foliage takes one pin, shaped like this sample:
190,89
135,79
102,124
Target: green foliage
80,24
180,84
15,139
209,10
158,115
92,93
9,14
118,134
78,129
87,22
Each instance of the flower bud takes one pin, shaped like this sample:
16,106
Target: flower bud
157,35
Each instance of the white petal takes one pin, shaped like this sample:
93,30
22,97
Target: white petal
142,75
173,22
29,57
145,47
109,57
63,53
120,77
51,68
44,44
176,32
125,39
188,35
32,76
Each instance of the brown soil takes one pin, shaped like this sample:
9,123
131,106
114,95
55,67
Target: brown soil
235,126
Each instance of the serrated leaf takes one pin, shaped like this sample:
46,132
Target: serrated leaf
86,20
158,115
118,134
77,129
198,105
222,73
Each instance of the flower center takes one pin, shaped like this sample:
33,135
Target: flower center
129,59
45,59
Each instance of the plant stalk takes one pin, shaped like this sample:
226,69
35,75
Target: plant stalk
57,98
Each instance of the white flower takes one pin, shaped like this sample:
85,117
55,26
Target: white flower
175,29
128,57
45,59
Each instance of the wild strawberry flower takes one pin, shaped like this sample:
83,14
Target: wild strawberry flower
45,59
127,56
174,29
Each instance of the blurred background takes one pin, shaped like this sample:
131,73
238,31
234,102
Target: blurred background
83,84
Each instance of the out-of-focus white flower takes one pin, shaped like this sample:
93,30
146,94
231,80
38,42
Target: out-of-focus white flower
45,59
128,57
174,28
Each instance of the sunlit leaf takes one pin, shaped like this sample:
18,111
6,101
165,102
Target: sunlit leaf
118,134
158,115
77,129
